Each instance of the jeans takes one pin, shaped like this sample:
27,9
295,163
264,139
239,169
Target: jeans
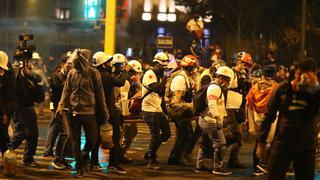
157,122
218,144
196,135
59,126
89,125
182,140
26,128
280,159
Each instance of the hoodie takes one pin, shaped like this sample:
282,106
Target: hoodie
83,91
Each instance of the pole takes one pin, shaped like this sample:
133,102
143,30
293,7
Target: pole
110,27
303,29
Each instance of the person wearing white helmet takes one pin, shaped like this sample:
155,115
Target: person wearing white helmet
211,122
113,75
132,88
153,88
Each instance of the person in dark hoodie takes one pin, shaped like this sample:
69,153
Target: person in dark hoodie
295,140
8,99
112,76
82,95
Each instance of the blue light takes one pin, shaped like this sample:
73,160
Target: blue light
91,10
161,30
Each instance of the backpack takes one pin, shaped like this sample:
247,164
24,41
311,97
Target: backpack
168,93
200,99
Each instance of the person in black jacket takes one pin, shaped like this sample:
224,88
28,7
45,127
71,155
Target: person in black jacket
82,95
8,99
59,124
25,120
295,140
111,77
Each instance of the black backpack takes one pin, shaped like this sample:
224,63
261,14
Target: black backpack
200,99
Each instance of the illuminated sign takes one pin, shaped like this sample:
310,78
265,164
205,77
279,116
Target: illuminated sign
91,9
165,42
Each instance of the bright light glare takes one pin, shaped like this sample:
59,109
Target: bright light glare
162,17
146,16
172,17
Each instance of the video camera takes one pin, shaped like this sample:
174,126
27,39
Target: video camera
23,53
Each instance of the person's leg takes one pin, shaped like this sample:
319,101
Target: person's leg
151,119
279,161
75,130
53,133
19,129
130,132
196,135
176,150
256,160
205,129
32,133
95,151
233,136
63,137
4,135
164,126
219,147
116,136
304,165
91,134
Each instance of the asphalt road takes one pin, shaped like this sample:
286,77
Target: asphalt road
137,170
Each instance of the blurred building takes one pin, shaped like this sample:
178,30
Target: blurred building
62,25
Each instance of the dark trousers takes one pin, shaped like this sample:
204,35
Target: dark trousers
196,135
232,134
157,122
115,151
280,160
26,128
129,132
182,140
89,125
59,126
4,135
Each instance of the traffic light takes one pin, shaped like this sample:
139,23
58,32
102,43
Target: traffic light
91,10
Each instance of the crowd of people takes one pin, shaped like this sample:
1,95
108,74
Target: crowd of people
276,105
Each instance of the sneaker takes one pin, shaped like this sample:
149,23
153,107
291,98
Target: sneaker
262,167
236,164
203,169
31,164
154,165
257,172
117,169
81,173
57,164
96,167
221,171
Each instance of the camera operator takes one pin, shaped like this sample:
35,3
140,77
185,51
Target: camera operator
25,119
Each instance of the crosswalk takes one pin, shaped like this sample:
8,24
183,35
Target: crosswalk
139,145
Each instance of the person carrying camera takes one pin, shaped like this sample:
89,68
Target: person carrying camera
25,119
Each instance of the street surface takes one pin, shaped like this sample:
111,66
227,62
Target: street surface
138,169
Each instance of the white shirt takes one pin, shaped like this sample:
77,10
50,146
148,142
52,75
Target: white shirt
234,99
215,112
151,103
180,82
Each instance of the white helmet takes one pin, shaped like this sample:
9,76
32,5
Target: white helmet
135,65
4,60
225,71
35,55
118,58
161,58
100,58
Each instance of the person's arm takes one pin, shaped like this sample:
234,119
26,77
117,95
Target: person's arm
108,79
100,98
213,95
178,85
64,101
